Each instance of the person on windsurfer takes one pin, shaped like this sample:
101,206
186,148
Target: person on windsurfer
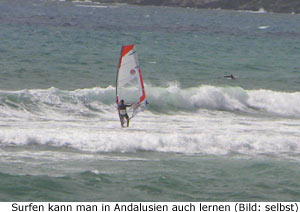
123,113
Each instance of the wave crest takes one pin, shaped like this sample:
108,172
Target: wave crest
91,102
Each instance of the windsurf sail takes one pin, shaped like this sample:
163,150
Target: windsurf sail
129,82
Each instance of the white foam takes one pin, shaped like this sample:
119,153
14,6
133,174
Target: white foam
91,6
55,104
264,27
226,98
220,133
279,103
199,120
260,11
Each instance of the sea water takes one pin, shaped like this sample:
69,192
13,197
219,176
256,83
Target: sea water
203,137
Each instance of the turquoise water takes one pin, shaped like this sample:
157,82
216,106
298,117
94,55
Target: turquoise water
202,138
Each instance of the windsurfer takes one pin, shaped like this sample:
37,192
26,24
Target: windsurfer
123,113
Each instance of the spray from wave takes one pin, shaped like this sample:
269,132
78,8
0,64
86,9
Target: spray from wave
234,99
56,104
204,119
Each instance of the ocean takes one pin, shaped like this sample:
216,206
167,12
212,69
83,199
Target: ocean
203,137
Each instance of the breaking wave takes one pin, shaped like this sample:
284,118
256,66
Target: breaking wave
54,103
204,119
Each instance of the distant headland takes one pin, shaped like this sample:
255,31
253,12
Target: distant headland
278,6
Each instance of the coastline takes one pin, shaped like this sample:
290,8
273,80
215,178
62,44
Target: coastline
276,6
